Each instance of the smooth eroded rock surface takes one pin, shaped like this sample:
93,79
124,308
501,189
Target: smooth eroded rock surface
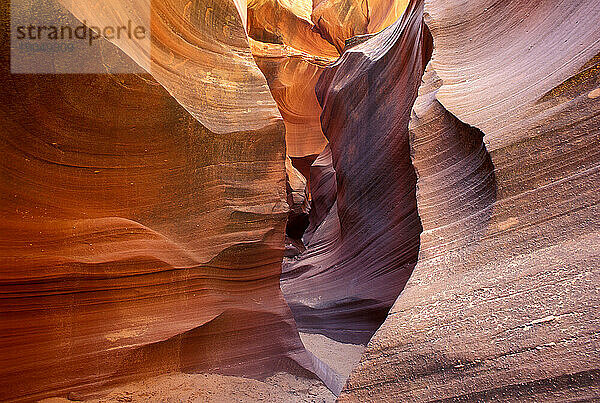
502,304
287,165
362,254
133,239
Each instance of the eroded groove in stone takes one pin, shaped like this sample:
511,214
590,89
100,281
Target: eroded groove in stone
292,76
135,241
456,186
341,20
143,218
363,253
501,303
199,54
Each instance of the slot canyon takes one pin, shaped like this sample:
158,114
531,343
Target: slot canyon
306,201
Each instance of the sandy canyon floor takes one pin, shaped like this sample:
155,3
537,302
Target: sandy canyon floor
281,387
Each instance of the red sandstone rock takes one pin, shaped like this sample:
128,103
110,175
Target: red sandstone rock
357,264
502,305
142,217
341,20
287,22
200,53
292,76
323,191
133,239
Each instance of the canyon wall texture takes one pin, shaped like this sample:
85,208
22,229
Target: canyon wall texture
361,256
134,239
144,218
503,302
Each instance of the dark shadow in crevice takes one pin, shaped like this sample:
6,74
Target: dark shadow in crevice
364,244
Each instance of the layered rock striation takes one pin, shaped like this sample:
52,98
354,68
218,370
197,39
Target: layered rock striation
504,135
144,218
361,255
141,232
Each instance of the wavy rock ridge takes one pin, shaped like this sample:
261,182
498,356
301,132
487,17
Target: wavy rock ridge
135,238
143,217
501,303
360,257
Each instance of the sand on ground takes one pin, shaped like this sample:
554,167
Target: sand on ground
340,357
279,388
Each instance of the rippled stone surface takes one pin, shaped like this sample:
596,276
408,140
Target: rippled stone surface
362,254
144,218
134,239
501,305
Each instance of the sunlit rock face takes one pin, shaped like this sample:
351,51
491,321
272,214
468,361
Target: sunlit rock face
287,22
340,20
364,251
504,138
134,239
200,54
291,53
293,41
292,76
144,218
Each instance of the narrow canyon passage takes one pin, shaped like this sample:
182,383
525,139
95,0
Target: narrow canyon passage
351,249
363,252
305,201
